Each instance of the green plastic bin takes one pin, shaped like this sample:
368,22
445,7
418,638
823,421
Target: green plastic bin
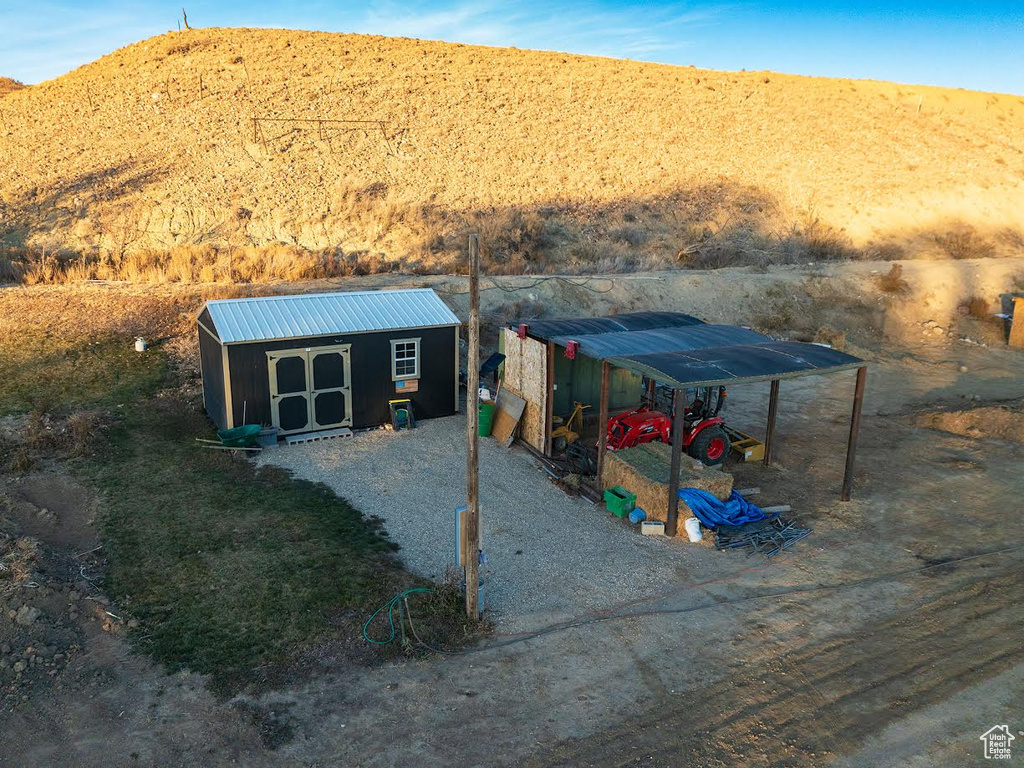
619,501
485,419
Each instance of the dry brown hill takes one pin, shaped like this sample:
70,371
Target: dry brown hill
8,85
372,145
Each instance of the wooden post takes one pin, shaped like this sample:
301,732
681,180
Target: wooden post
773,408
549,400
851,446
678,428
650,394
602,425
472,557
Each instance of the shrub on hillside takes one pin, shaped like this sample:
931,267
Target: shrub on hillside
965,243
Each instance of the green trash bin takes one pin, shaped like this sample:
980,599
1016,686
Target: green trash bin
485,419
619,501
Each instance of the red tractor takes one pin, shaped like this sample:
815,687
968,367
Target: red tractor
704,437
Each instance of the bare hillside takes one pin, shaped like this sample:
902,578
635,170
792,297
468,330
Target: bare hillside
393,147
8,85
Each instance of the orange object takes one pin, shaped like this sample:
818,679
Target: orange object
1017,329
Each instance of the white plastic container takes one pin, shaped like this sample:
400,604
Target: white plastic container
693,531
652,528
140,344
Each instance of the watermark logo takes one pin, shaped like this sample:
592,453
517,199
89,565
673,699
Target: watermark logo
997,742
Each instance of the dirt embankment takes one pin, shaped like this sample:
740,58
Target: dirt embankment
394,148
1004,423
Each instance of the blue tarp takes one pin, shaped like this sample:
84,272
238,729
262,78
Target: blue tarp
712,512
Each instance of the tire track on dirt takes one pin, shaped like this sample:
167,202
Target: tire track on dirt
824,699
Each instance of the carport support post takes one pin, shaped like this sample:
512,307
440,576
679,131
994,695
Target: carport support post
471,557
773,408
851,446
602,425
678,428
549,399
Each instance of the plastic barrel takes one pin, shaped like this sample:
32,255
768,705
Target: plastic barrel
485,413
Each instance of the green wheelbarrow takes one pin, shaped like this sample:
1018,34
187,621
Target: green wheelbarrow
241,438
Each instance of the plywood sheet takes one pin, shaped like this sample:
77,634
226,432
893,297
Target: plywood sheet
526,376
509,413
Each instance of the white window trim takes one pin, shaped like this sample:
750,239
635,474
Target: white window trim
394,373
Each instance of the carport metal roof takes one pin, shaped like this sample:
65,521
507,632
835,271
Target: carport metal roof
737,363
633,321
683,351
627,343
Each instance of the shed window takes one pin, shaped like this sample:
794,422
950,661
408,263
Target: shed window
405,359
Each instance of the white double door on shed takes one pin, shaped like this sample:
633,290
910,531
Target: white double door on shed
310,389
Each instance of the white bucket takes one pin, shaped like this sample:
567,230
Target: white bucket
692,525
140,344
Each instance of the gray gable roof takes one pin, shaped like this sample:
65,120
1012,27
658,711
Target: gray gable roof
323,314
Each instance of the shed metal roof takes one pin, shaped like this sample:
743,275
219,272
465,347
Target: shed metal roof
633,321
268,318
725,365
602,345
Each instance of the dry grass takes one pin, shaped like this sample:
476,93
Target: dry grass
186,264
18,556
714,228
151,179
965,243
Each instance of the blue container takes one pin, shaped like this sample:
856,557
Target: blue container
637,516
479,594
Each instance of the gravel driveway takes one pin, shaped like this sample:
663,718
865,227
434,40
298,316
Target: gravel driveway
550,556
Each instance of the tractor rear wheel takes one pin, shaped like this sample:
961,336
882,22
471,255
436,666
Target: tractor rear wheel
710,446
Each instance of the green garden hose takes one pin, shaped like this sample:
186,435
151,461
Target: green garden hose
390,606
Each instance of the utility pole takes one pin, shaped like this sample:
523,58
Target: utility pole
472,556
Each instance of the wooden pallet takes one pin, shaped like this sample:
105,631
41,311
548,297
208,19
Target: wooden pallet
749,447
313,437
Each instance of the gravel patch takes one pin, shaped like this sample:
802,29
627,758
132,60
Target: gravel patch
551,556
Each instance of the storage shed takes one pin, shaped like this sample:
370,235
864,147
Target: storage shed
322,361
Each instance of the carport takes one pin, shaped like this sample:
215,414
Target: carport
678,351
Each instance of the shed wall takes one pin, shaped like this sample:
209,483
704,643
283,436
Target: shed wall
372,385
204,320
213,378
579,381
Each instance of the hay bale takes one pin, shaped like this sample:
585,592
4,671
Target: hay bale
644,470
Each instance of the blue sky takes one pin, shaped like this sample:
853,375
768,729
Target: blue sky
977,45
